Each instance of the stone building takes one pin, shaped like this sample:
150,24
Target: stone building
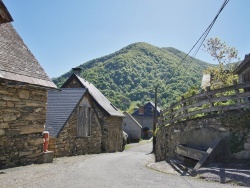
132,128
72,123
23,97
105,123
144,115
243,70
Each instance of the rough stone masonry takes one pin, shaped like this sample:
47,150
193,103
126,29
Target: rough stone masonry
22,120
233,127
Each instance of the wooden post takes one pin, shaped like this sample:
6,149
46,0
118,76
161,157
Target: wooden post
208,88
155,121
171,113
183,106
210,97
160,119
237,92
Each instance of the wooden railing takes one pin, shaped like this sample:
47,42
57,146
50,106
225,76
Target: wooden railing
207,102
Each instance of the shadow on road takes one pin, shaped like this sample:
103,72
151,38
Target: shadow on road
239,175
226,175
179,167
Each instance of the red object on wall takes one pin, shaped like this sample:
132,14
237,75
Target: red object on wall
46,140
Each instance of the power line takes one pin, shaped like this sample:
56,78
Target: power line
205,34
211,25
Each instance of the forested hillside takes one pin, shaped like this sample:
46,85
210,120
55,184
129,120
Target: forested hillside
128,77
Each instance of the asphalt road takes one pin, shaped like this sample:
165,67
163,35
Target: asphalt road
121,169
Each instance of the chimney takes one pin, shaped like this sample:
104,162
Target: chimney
141,110
77,70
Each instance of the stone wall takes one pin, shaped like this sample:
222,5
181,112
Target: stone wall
68,144
111,127
114,134
232,126
22,120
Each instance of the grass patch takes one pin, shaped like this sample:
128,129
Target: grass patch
127,146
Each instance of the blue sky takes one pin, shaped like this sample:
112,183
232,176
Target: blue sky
63,34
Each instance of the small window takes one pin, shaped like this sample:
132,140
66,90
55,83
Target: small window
84,121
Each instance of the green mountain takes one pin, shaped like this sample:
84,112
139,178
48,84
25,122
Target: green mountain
128,77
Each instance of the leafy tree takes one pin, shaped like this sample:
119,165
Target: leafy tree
222,75
127,76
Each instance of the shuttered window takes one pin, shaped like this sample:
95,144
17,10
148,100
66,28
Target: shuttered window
84,121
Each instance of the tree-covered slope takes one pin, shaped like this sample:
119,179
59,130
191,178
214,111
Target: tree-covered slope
130,75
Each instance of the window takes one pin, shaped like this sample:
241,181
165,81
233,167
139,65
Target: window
84,121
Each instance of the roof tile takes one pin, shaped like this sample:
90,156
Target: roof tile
17,59
60,106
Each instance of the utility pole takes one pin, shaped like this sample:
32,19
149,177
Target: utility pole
155,120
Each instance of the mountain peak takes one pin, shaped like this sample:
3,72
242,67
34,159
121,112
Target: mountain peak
128,75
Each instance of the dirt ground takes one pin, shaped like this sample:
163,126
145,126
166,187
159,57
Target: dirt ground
236,175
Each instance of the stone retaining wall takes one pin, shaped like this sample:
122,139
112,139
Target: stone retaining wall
22,120
233,126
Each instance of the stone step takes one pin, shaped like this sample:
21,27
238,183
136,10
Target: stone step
48,157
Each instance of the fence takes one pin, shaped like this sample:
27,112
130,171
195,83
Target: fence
207,102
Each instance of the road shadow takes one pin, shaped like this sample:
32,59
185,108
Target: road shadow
179,167
235,174
225,175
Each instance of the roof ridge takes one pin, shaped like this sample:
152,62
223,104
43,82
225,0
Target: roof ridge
133,119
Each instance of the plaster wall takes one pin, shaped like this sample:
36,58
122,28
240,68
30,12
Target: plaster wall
132,129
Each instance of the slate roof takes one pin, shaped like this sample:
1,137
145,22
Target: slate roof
243,65
60,107
131,117
148,111
98,96
17,62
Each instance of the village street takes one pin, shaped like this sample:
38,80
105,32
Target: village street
121,169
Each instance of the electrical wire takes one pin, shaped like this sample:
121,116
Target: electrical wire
210,27
204,35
